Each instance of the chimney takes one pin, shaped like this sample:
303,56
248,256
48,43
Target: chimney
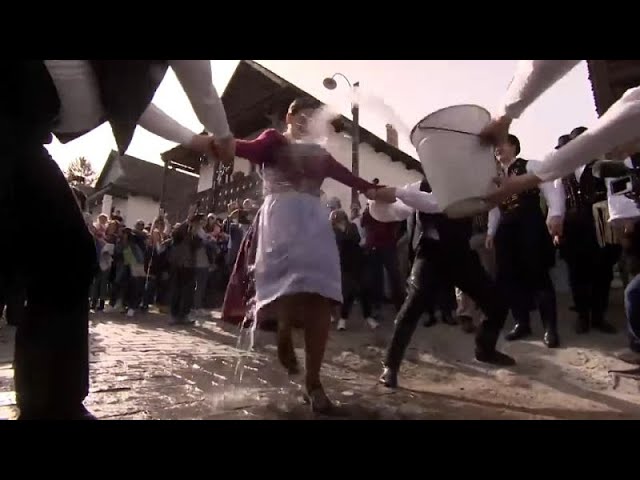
392,135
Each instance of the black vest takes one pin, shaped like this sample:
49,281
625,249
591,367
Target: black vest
581,195
453,233
520,202
31,106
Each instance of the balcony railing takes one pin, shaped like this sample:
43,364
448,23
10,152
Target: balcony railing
217,199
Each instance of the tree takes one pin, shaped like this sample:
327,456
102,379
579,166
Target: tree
80,172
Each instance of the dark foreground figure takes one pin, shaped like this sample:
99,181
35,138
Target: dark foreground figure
70,98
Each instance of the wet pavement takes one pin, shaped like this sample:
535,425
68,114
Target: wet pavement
142,368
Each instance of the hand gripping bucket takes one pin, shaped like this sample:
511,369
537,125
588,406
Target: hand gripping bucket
459,168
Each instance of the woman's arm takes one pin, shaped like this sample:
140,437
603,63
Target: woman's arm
337,171
260,151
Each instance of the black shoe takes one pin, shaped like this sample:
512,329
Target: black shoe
494,357
519,332
430,321
628,356
467,324
551,339
389,378
448,319
76,413
603,326
81,414
582,324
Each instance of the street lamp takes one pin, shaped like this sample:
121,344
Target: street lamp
330,84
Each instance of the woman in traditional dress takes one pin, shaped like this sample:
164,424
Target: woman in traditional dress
289,261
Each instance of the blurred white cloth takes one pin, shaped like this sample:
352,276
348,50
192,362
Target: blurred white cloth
617,127
620,206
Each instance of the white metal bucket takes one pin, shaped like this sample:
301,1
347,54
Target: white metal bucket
459,169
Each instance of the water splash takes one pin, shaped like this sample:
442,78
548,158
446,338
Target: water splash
370,104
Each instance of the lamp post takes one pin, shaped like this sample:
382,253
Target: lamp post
330,84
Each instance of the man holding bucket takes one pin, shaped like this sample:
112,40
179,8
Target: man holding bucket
615,133
444,254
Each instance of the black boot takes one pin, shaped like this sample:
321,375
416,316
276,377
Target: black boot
551,338
582,323
486,352
448,319
599,323
467,324
430,321
389,378
520,331
494,357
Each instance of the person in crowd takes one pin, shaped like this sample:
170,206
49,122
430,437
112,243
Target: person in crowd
524,247
100,226
105,244
157,266
133,256
204,256
381,250
289,262
185,241
334,204
354,283
237,226
443,254
590,265
139,228
69,98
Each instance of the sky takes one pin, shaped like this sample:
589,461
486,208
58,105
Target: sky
411,89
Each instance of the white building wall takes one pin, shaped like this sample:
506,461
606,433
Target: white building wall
205,181
120,204
140,208
372,165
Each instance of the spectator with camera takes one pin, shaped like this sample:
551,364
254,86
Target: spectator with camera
626,215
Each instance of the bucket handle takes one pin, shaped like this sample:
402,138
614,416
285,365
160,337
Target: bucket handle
442,129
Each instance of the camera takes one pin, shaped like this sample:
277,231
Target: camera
626,179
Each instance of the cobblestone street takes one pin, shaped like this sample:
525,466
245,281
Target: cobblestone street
142,368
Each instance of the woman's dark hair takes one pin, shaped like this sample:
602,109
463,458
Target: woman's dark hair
243,217
303,104
513,140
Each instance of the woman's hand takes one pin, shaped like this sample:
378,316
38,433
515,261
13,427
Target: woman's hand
225,149
202,144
